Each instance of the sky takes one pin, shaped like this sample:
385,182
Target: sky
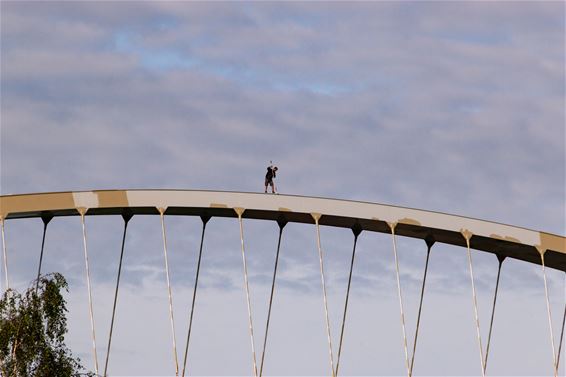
456,107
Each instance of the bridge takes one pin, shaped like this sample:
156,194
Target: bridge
505,241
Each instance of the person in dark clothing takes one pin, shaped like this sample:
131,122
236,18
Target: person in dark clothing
271,173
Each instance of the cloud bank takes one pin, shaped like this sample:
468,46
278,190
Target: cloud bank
454,107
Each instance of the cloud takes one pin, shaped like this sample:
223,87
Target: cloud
450,107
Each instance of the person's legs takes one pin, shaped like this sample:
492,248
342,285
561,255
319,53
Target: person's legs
273,189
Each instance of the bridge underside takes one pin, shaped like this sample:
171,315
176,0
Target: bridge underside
503,240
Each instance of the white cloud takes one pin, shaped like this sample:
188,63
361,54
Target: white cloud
449,107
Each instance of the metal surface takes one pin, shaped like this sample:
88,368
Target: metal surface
400,299
475,300
240,211
204,221
281,226
356,234
561,338
90,309
550,326
46,219
493,312
316,217
126,218
510,241
5,254
429,244
170,294
545,249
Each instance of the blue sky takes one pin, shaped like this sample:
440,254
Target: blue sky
448,106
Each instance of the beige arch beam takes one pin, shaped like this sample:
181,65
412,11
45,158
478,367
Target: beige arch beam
505,240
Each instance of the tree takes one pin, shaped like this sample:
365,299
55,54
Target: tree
32,331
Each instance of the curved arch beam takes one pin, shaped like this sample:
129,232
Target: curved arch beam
503,240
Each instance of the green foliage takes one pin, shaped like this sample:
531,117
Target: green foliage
32,331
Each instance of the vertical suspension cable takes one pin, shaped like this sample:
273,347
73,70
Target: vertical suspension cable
240,211
357,230
549,315
392,226
281,224
5,254
126,217
316,217
46,219
429,243
82,212
467,235
170,295
561,338
204,221
500,259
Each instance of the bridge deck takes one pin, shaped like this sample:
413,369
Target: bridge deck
507,240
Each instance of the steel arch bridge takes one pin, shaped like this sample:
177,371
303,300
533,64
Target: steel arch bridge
505,241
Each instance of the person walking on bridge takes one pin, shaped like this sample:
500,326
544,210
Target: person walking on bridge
269,176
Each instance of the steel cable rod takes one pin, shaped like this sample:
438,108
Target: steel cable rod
316,219
356,230
429,243
5,254
46,219
82,212
281,224
170,294
561,338
392,226
500,259
204,222
240,211
549,315
126,218
467,236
